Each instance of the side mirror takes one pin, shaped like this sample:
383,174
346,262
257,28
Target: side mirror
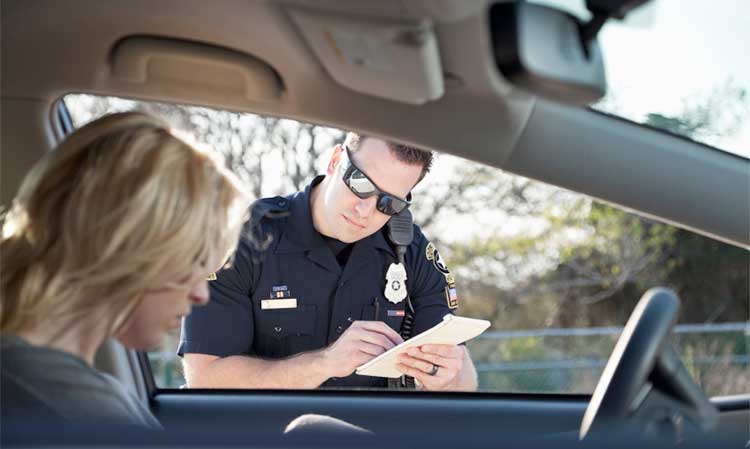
543,50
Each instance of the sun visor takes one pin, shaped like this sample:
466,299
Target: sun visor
382,58
202,71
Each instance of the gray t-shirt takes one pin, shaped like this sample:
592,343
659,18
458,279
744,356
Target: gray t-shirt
43,381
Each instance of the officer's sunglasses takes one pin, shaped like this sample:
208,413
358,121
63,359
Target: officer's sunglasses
363,187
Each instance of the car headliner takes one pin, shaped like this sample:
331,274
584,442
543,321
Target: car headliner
51,48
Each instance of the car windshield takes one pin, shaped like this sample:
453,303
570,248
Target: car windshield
680,66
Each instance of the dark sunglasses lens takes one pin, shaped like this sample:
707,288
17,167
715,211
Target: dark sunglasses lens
390,205
360,185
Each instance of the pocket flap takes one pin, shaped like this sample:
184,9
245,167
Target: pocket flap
283,323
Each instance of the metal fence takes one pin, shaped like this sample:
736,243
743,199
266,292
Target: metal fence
571,360
561,360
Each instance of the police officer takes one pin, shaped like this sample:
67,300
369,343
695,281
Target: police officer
309,297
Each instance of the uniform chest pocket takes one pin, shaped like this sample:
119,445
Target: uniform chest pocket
383,310
284,332
282,323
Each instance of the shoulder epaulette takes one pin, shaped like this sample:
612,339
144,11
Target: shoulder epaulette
264,214
273,207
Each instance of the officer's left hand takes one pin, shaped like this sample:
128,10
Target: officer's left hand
419,363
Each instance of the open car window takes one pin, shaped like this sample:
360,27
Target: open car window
555,272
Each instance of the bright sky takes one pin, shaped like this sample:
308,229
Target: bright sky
677,52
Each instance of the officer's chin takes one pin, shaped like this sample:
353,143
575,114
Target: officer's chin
355,236
351,232
348,238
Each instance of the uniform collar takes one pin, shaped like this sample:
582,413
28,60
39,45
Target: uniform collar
300,234
379,241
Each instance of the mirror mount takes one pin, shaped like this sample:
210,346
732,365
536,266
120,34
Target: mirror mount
603,10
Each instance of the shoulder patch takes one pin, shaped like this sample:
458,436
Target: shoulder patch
451,294
270,206
265,216
431,253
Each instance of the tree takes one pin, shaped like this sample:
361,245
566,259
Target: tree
248,143
720,113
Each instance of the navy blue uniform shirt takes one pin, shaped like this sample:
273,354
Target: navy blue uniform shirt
282,257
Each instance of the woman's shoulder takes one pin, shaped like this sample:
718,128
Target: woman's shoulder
37,376
44,364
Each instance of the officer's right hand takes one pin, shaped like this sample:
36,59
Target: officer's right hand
362,342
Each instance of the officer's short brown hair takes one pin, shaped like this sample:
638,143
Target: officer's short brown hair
404,153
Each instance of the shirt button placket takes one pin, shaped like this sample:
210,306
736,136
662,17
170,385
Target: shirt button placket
338,315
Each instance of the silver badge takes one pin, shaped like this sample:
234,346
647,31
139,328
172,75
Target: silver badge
395,283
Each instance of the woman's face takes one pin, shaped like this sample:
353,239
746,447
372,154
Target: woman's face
161,310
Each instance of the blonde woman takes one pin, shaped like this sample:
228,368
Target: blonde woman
112,235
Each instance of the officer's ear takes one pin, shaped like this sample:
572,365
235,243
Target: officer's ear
336,159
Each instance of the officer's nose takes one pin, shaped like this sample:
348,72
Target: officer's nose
366,206
198,295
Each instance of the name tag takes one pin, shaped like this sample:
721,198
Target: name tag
270,304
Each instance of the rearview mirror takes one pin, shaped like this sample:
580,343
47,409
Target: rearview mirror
542,50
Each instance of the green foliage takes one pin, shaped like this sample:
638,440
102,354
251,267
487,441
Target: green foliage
721,112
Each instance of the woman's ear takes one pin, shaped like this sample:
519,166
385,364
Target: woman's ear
335,160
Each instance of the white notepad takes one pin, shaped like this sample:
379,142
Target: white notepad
451,331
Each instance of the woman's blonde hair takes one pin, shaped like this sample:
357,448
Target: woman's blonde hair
120,207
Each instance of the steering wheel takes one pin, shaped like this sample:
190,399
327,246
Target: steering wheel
624,382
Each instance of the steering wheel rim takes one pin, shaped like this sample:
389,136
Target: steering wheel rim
632,359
